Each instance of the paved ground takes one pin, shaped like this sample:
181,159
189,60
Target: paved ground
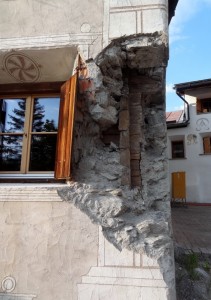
192,227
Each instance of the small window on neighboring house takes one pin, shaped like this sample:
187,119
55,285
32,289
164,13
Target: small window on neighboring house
203,105
207,145
177,149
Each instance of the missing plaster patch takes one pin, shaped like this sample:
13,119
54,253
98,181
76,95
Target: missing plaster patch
130,97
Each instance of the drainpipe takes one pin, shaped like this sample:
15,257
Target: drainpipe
188,109
186,122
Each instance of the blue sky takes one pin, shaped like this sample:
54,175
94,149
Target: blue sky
190,47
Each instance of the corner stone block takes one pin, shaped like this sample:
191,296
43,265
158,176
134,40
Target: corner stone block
122,24
125,158
124,120
126,178
124,140
124,103
135,115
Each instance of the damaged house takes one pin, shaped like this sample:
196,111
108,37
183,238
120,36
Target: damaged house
85,208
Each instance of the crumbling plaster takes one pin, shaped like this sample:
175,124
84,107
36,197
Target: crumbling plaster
130,71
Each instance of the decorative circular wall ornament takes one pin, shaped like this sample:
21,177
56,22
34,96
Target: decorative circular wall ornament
8,284
85,28
202,124
21,67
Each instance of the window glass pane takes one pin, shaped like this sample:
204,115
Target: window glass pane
45,114
10,152
206,105
43,151
12,115
178,149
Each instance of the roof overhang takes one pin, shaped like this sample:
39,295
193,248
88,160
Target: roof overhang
199,89
172,6
37,65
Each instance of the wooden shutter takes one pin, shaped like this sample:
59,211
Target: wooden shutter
198,106
65,130
206,141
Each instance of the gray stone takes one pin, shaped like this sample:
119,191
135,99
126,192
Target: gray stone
109,176
104,117
203,275
138,218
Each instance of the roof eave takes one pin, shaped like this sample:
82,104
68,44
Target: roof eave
172,6
177,125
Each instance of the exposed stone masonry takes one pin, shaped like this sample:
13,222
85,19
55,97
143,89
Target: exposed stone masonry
123,186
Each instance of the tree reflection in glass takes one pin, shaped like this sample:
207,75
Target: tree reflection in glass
43,151
43,146
45,114
42,133
12,115
12,118
10,153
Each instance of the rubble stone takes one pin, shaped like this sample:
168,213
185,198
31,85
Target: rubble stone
138,218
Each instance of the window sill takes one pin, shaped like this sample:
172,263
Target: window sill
30,192
204,154
178,158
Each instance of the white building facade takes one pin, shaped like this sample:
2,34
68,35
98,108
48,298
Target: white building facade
189,141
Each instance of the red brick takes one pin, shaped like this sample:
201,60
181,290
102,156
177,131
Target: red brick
135,144
136,181
135,156
135,164
135,128
125,157
135,173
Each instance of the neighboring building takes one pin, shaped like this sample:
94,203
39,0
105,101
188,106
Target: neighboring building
189,139
84,195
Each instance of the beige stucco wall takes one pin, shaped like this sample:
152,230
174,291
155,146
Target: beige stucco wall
88,24
22,18
33,26
46,247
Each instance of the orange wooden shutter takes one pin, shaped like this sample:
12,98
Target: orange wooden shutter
206,141
198,106
65,130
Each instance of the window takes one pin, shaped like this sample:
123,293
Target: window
29,127
36,132
177,148
207,145
203,105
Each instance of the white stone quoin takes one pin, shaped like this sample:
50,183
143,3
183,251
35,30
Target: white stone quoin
121,276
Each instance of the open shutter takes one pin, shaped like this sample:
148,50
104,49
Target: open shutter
206,141
65,130
198,106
